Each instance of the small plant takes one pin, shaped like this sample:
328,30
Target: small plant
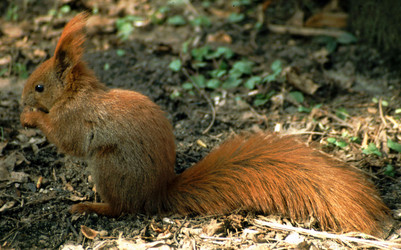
337,142
20,70
120,52
202,21
63,10
372,149
276,68
3,71
342,113
175,65
384,103
12,13
125,26
390,170
239,3
177,20
394,145
332,43
236,17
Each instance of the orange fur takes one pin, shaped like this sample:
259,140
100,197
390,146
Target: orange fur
129,146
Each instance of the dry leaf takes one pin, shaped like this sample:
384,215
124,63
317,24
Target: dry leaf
201,143
89,232
4,173
294,238
39,53
14,159
3,145
213,228
97,23
325,19
39,182
220,37
29,132
68,187
7,206
297,19
12,30
5,60
76,198
220,13
372,110
301,82
19,177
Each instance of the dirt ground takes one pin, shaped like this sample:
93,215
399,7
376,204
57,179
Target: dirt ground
356,89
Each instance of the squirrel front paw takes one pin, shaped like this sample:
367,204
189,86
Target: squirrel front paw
30,116
99,208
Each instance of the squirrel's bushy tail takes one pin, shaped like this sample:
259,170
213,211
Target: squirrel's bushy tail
279,175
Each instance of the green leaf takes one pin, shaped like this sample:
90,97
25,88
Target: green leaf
221,51
331,46
236,17
390,171
397,111
176,20
232,82
355,139
260,102
213,83
276,67
297,96
187,86
125,25
332,140
175,65
198,64
201,21
3,71
261,99
199,80
223,65
200,53
206,4
372,149
347,38
270,78
251,82
106,66
341,144
342,113
175,94
120,52
217,73
394,145
65,9
185,46
243,67
239,3
317,106
304,109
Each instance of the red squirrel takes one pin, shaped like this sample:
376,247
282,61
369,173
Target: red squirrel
129,146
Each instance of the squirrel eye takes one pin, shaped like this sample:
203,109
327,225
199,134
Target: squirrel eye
39,88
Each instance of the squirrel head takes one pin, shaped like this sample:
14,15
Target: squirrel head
56,76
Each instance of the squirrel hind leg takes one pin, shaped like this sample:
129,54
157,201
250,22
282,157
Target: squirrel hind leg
99,208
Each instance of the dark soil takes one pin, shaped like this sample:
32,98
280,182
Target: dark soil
37,215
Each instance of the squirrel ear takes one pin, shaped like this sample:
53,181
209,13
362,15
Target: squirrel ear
69,48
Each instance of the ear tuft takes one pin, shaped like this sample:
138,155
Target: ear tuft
69,48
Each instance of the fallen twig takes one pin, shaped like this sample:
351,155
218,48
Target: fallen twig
325,235
304,31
